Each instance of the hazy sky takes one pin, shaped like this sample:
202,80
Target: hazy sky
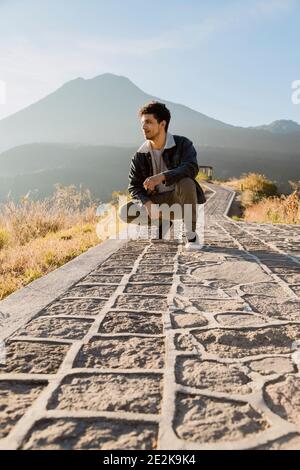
232,60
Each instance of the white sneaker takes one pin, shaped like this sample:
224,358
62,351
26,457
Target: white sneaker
193,245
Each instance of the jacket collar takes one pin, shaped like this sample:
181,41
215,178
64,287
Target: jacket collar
146,146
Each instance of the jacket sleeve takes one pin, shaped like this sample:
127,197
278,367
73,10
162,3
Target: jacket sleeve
188,166
135,187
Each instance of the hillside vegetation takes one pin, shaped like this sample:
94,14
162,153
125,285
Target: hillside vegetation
37,237
261,202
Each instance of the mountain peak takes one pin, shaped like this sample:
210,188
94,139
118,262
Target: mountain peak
113,79
110,76
281,126
105,81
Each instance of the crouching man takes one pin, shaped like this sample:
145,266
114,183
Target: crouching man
163,171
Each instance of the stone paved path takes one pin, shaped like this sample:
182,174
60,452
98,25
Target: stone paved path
162,349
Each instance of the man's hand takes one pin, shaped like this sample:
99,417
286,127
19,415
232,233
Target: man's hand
152,210
153,181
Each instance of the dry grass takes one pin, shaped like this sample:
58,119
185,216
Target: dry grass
21,265
36,237
30,219
253,188
276,210
261,202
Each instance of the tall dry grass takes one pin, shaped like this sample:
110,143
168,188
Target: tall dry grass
253,187
275,210
261,202
36,237
28,219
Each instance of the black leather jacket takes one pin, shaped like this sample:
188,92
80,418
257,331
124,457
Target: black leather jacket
181,161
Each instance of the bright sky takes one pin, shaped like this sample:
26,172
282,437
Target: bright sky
231,60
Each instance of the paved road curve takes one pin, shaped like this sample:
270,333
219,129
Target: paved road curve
157,348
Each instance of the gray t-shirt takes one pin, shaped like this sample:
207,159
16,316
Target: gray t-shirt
159,166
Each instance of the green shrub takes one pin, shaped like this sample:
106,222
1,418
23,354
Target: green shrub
202,176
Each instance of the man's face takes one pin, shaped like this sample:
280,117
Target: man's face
151,127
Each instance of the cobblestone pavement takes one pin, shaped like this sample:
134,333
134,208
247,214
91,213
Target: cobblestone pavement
159,348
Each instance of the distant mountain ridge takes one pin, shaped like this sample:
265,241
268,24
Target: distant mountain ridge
102,169
103,111
283,126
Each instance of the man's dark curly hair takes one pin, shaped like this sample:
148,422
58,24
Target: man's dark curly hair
159,111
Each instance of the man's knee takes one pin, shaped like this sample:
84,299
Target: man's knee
186,186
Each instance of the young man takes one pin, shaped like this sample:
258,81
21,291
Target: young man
163,170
